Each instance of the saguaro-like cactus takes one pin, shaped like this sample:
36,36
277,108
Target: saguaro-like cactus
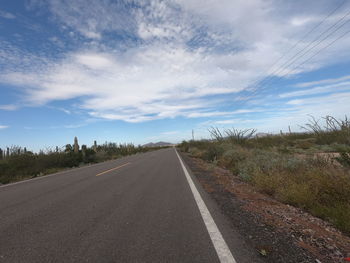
1,154
76,145
95,146
83,150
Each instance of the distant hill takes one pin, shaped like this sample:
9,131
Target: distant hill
157,144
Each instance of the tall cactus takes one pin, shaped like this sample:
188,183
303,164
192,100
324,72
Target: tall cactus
1,154
83,150
95,146
76,145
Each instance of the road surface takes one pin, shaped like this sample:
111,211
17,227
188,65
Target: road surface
141,208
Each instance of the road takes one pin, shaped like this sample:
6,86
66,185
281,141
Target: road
140,208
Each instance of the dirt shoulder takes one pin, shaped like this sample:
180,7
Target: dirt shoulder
279,232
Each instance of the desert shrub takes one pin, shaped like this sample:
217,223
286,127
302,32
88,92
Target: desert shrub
184,146
332,131
195,152
213,152
337,147
233,135
22,164
344,159
312,184
305,143
290,167
232,157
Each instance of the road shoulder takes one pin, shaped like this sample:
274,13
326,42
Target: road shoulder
277,232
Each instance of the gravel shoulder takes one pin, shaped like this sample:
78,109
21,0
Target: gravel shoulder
278,232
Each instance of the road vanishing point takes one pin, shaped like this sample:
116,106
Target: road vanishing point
142,208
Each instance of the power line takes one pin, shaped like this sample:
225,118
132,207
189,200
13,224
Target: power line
269,78
300,40
319,42
296,57
319,51
309,32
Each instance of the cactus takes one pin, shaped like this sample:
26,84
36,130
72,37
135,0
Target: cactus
95,146
83,150
76,145
1,154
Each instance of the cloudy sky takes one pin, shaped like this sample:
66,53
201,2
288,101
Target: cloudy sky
145,70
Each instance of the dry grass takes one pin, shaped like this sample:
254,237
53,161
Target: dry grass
290,167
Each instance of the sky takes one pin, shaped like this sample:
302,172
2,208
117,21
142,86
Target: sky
146,70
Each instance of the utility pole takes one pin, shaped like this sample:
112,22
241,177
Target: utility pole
192,135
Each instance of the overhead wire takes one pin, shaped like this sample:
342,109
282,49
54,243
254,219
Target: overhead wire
303,38
310,47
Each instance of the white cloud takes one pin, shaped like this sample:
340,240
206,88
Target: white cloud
8,107
232,121
91,18
297,112
219,113
170,132
182,53
334,88
322,82
7,15
300,21
94,61
3,127
143,84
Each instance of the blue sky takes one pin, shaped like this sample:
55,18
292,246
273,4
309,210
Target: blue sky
141,71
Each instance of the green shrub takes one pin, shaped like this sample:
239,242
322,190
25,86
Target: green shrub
24,164
311,182
344,159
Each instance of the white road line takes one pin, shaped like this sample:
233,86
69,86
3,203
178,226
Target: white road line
219,243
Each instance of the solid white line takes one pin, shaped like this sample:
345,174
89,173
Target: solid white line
219,243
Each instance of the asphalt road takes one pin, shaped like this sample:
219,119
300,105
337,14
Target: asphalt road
139,208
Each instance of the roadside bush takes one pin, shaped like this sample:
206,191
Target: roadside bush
233,157
213,152
294,168
22,164
344,159
311,184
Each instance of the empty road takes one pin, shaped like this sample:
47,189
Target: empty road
141,208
